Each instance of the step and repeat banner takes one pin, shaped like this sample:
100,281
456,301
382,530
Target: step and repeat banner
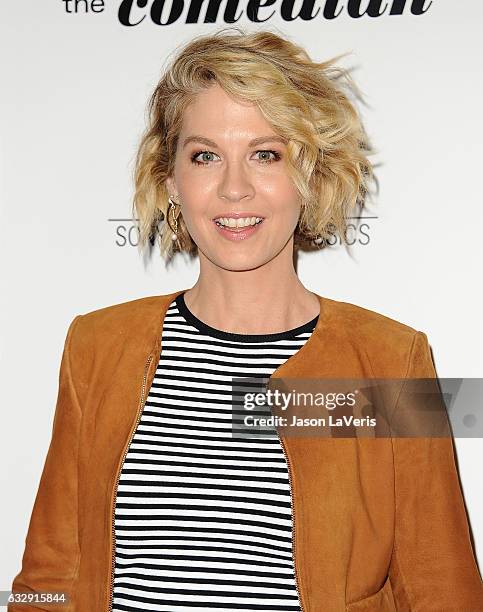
76,78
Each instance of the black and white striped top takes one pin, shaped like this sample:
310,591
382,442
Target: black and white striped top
203,518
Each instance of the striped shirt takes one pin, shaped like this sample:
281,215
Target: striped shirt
203,517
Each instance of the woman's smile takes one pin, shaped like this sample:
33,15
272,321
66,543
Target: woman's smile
238,226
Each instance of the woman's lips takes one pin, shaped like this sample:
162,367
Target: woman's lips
238,233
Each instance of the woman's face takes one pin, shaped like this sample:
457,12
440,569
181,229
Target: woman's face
221,172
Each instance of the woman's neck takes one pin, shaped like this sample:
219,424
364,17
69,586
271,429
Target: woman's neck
245,306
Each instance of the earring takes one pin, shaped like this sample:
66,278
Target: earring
171,210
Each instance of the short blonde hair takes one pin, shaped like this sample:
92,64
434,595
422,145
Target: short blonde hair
327,152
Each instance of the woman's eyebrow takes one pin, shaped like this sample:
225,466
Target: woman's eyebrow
252,143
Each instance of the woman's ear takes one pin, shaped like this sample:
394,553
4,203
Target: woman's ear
170,185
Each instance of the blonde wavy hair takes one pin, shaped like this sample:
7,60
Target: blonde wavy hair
327,152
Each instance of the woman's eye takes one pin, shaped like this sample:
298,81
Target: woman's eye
203,154
207,157
266,159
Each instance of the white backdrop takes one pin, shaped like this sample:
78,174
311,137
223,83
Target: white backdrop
74,88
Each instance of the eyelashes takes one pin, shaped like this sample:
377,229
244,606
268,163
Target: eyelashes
276,157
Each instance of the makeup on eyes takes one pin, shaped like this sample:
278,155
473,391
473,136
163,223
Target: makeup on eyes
277,156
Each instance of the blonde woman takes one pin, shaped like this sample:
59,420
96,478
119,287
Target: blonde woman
148,501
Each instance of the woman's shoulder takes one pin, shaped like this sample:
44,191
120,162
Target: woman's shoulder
390,345
357,317
122,325
130,311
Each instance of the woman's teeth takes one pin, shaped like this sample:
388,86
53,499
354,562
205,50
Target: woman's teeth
241,222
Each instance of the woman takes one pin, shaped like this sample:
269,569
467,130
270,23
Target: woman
148,499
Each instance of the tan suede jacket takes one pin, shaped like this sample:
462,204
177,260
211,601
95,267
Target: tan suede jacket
378,524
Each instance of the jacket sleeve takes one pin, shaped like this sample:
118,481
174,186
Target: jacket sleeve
51,556
433,567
